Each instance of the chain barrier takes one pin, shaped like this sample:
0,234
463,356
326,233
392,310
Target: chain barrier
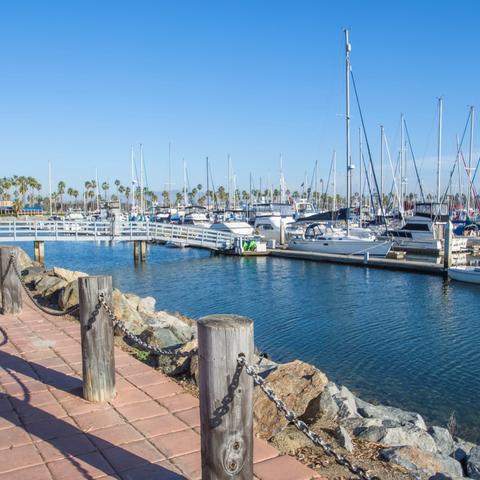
136,339
302,426
48,311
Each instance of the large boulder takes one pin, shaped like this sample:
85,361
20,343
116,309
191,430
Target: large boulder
146,306
421,462
289,440
159,338
33,274
48,285
126,312
68,297
346,402
407,435
473,463
443,440
328,406
299,385
68,275
367,410
461,449
184,331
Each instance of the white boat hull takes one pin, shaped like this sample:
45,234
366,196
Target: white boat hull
374,248
465,274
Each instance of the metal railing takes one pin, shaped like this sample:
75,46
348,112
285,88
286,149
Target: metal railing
68,230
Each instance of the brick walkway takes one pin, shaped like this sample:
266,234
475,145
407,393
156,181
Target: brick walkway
47,431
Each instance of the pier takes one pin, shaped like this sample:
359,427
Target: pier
146,427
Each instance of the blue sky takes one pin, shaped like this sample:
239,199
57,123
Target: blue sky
82,81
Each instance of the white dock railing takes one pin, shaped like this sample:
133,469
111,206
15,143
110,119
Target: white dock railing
65,230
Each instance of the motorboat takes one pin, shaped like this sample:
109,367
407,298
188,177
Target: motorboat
196,216
318,239
467,274
233,226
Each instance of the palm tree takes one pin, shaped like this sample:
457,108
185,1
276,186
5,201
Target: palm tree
117,184
75,194
70,193
61,191
127,195
105,187
166,198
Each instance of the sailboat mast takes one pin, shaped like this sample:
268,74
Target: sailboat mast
141,179
439,148
360,163
334,203
347,125
132,166
381,164
229,175
469,190
401,164
184,183
50,186
208,189
169,173
97,189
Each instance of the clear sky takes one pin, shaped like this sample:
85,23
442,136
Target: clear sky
82,81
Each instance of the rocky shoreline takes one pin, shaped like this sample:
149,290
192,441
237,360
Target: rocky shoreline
388,441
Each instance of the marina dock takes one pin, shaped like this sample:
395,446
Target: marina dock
48,432
374,262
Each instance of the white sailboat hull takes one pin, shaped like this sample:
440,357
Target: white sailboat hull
465,274
344,246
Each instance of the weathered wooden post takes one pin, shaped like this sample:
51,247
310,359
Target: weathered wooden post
98,360
226,397
282,232
39,251
447,245
143,250
139,250
10,284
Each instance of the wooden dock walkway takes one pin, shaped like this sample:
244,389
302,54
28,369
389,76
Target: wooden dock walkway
48,432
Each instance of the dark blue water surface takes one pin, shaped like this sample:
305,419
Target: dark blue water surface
404,339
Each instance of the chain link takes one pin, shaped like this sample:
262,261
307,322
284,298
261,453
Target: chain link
12,264
302,426
136,339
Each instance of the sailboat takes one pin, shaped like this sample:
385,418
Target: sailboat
316,238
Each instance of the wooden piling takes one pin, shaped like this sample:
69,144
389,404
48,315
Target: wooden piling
226,397
39,251
139,250
98,361
10,284
447,247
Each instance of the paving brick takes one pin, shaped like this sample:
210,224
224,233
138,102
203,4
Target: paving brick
99,419
158,471
141,410
191,465
114,436
179,402
35,399
159,425
282,468
134,369
19,457
44,412
59,448
26,388
163,389
144,379
190,417
263,451
89,465
177,443
127,397
13,437
37,472
9,419
77,406
53,428
132,455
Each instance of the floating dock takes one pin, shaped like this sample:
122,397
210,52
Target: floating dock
386,263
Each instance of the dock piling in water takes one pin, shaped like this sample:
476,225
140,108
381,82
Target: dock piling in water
39,251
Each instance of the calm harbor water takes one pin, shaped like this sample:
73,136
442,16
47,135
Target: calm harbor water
403,339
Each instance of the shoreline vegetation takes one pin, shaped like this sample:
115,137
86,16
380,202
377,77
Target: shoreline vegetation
389,442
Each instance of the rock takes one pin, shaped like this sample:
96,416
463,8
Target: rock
289,440
473,463
164,337
68,275
461,449
407,435
133,299
443,439
346,402
48,285
184,331
33,274
126,312
356,424
68,297
420,462
146,306
328,405
343,438
367,410
299,385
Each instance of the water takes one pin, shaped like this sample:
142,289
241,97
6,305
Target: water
404,339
